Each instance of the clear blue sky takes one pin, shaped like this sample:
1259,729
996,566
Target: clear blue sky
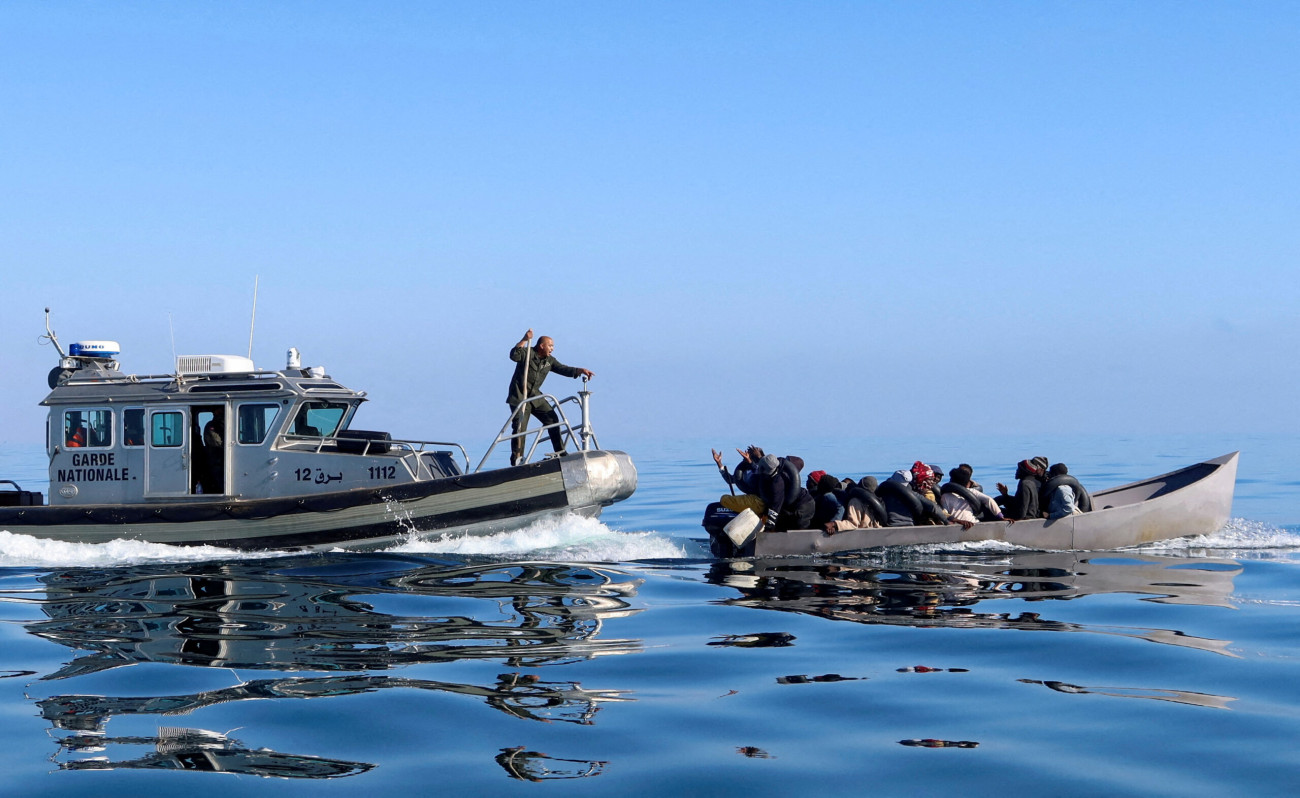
744,217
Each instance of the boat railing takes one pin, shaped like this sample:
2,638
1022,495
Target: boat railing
409,451
581,437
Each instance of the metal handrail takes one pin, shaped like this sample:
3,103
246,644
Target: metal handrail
582,437
410,446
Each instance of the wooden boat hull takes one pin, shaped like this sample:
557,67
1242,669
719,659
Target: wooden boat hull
1196,500
480,503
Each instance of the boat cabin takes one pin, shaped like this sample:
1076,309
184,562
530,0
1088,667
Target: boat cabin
216,427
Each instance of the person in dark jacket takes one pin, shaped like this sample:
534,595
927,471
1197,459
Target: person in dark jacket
745,478
788,503
533,365
903,505
1025,503
829,500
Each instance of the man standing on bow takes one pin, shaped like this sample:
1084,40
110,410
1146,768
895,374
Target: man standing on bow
531,367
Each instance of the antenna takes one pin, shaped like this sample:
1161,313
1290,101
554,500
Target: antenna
50,336
176,361
253,322
172,330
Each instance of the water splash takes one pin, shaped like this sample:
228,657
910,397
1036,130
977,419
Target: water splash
568,538
1239,536
20,550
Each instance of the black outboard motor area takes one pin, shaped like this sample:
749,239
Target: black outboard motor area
716,518
19,497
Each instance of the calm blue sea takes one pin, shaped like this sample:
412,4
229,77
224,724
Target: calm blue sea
616,657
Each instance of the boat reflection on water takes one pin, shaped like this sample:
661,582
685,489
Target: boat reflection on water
944,591
313,614
1207,700
518,695
525,765
202,751
323,613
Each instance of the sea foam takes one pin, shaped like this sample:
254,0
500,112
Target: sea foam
20,550
567,538
1239,537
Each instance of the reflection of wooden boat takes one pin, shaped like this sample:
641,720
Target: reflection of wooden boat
955,591
1190,501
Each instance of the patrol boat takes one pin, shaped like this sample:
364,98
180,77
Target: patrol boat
221,453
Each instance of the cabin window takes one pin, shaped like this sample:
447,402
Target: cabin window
319,419
168,429
255,421
133,427
88,428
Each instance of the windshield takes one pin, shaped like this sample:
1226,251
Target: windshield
319,419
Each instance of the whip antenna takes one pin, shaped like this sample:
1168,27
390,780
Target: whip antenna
253,322
172,330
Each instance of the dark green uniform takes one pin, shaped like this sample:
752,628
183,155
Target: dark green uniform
538,368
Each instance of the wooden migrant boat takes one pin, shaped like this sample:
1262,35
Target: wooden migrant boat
1195,500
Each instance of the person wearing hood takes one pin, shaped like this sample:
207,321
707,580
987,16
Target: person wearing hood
863,509
788,503
964,503
904,506
1025,503
1063,495
828,498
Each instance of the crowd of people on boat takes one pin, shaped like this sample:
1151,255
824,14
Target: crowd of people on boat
773,488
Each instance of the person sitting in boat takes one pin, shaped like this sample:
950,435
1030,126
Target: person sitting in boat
903,505
788,504
973,484
811,482
302,427
964,503
532,366
1063,495
76,437
828,499
133,428
862,508
745,478
1025,503
925,480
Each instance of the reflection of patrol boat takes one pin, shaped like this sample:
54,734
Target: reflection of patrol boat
325,613
222,453
346,615
522,696
207,752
